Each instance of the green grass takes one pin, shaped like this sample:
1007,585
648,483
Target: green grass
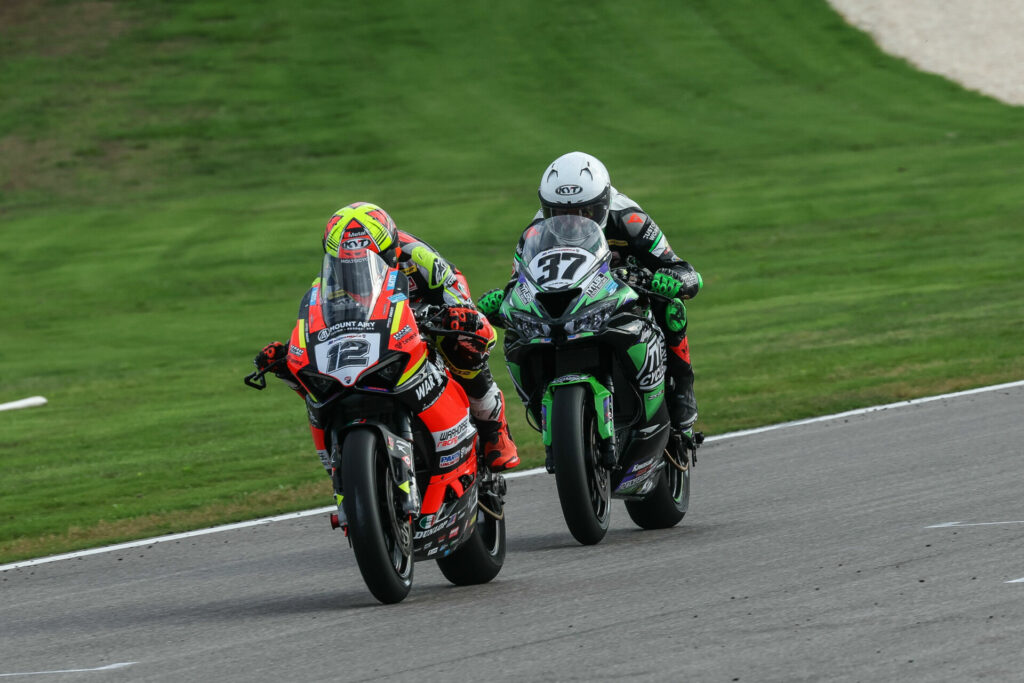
166,169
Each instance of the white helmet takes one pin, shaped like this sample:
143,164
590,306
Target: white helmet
576,184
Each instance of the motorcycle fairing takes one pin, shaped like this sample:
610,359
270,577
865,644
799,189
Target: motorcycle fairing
345,342
641,477
440,533
649,358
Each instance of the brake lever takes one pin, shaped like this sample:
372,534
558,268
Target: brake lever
256,379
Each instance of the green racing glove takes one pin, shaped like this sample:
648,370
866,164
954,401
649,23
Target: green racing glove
491,301
670,283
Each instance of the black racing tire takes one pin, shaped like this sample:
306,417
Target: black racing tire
584,487
480,558
667,504
381,536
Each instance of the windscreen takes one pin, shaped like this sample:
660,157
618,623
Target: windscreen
559,251
350,284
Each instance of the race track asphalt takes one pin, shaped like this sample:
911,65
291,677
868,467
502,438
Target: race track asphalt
810,553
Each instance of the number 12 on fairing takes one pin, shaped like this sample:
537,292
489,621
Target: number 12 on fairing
347,353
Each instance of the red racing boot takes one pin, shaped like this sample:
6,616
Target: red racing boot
499,449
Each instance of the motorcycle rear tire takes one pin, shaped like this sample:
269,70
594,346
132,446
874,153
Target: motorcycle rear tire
666,505
584,487
381,537
480,558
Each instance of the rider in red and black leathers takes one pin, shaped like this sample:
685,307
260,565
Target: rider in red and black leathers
577,183
432,281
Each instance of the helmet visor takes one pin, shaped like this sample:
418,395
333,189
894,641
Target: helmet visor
597,212
596,209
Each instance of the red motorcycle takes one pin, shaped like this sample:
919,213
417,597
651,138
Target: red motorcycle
396,424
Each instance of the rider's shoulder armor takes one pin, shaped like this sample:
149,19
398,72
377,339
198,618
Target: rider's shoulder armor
627,222
430,276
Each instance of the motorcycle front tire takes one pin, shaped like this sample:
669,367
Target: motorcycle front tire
584,487
381,537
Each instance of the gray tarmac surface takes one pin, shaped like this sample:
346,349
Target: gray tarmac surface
807,555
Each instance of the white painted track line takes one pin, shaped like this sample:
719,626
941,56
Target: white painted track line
164,539
29,402
512,475
108,667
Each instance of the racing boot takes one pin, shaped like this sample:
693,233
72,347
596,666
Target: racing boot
682,405
488,412
500,452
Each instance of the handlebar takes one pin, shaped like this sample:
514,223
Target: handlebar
257,378
638,278
427,314
443,332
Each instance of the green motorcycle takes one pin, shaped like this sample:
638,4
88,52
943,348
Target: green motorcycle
588,361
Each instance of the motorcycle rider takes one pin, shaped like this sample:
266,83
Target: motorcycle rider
578,184
432,280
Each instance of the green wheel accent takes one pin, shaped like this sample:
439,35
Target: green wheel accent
605,423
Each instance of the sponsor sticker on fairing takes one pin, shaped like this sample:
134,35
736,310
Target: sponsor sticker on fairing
448,460
325,334
594,286
525,293
427,386
447,438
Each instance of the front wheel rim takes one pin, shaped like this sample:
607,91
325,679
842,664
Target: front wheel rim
597,476
399,540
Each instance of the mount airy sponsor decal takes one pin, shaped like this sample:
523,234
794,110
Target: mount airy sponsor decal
325,334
